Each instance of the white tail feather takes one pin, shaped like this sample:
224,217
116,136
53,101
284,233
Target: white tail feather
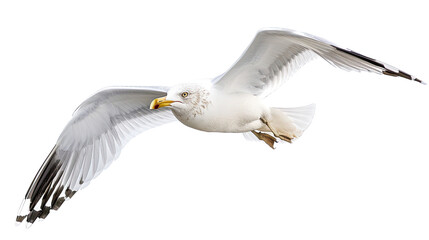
301,116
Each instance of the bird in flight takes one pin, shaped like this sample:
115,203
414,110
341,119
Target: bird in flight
232,102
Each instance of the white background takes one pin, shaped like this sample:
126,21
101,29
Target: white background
359,172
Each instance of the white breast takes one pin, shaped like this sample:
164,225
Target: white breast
237,112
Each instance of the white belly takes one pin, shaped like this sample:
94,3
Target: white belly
228,113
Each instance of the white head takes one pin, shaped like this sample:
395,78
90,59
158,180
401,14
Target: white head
185,100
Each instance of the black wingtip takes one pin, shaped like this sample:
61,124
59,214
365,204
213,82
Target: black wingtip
391,71
45,212
58,203
19,219
33,215
70,193
420,81
402,74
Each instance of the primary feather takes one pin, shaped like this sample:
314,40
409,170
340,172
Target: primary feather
93,138
275,54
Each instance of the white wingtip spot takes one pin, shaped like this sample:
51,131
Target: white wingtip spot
28,225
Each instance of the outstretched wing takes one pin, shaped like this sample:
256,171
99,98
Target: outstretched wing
275,54
93,138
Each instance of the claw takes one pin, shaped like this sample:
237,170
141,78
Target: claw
285,138
267,138
282,137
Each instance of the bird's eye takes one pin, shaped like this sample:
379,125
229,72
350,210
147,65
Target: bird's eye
185,94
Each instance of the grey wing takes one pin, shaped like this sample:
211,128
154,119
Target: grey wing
93,138
275,54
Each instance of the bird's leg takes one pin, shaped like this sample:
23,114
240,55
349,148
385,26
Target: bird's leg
276,134
267,138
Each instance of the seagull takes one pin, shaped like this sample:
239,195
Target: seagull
232,102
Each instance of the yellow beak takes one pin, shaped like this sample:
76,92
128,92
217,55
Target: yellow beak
160,102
